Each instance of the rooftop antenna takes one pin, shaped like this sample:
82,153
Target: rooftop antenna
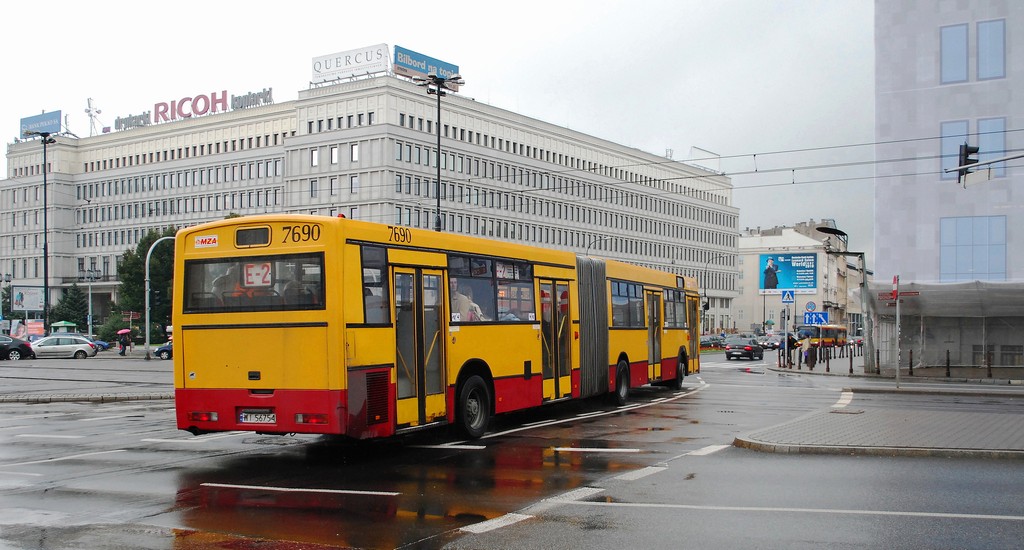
94,117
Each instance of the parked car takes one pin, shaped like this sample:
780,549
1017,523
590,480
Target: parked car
15,349
61,345
101,345
711,341
736,347
771,342
165,351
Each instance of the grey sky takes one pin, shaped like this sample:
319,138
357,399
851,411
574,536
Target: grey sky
736,78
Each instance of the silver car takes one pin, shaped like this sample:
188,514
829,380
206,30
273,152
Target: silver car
57,345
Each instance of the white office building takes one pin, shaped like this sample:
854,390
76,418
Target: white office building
365,148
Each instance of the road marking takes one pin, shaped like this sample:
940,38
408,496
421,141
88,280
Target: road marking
197,439
944,515
576,494
707,450
680,395
593,450
844,399
61,458
109,417
640,474
496,523
50,436
301,490
451,446
19,474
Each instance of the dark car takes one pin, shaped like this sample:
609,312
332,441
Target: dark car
737,347
165,351
771,342
711,341
15,349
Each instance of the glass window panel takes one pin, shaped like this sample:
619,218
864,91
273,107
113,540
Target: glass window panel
991,49
954,53
980,234
964,231
992,143
997,230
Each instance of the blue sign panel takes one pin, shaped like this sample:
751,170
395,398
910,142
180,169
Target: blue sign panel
796,272
815,317
46,123
409,63
788,297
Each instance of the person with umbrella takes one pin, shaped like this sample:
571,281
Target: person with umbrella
123,340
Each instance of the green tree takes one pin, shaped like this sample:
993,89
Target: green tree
73,307
132,272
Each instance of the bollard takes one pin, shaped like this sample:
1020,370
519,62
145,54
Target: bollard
988,363
878,361
851,360
911,362
828,357
947,363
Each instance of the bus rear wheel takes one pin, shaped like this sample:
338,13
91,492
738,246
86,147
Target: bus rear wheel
621,395
474,408
677,384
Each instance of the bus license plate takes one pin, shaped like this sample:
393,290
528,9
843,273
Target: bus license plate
257,418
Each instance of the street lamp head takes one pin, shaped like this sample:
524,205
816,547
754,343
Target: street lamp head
7,277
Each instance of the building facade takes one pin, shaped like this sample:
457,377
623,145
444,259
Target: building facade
367,149
946,74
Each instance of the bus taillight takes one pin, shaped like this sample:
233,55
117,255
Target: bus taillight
197,416
310,418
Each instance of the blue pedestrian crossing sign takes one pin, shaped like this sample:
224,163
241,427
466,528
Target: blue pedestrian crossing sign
815,317
787,297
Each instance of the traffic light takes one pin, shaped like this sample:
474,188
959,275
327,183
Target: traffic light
155,300
966,152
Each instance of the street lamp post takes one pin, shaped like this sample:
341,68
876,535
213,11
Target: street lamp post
90,276
437,85
148,256
869,348
10,299
47,140
595,241
704,284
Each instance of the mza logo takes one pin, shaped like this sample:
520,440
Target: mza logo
206,241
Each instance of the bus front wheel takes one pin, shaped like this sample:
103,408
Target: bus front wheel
474,408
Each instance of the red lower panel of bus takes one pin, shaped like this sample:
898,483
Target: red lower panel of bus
279,411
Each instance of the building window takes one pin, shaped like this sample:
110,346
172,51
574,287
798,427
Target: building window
334,186
991,49
973,248
312,189
954,134
953,46
334,154
353,183
354,149
314,159
992,143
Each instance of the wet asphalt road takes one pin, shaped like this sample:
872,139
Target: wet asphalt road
659,473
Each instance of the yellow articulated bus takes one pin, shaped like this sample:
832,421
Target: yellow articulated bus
305,324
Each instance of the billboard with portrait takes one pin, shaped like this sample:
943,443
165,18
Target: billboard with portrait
796,272
26,298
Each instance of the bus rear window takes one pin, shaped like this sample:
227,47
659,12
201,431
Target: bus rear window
254,283
252,236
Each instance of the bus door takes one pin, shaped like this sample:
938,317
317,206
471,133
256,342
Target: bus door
556,339
419,346
653,335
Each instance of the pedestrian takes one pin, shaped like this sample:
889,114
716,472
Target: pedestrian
123,343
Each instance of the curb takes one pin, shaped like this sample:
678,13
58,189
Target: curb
91,398
766,447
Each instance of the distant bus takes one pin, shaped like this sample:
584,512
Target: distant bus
305,324
823,335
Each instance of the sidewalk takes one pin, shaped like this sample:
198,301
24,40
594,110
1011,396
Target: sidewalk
889,430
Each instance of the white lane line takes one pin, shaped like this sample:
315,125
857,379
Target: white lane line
301,490
593,450
680,395
61,458
450,446
707,450
50,436
197,439
844,399
107,417
839,511
496,523
576,494
640,474
19,474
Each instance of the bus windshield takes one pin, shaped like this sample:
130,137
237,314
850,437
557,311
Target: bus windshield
254,283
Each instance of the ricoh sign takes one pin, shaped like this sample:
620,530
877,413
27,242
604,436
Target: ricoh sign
193,106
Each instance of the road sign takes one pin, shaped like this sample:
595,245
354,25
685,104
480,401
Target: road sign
787,297
815,317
